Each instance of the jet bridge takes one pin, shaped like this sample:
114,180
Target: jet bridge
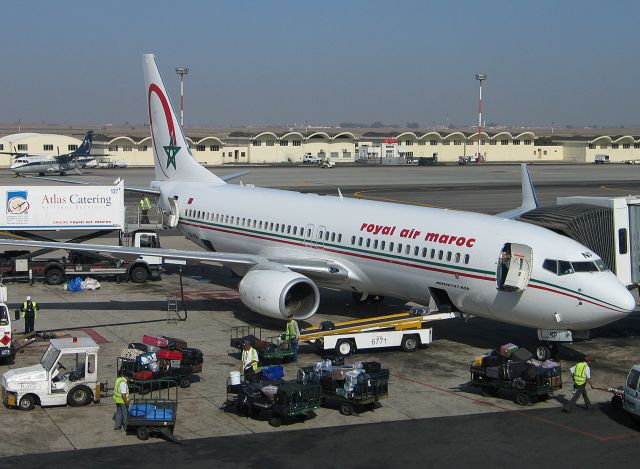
609,226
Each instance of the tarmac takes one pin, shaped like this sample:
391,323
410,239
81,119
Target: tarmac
433,416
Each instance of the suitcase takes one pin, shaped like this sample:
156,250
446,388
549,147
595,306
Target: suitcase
191,356
513,369
146,358
370,367
155,340
138,346
522,354
170,354
273,372
531,373
383,373
175,344
493,372
142,374
508,349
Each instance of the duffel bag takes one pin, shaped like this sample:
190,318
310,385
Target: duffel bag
175,344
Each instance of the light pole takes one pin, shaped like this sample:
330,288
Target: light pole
182,71
480,77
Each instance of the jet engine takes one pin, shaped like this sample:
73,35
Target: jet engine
278,292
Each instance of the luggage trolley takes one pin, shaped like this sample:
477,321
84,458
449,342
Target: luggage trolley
271,350
369,388
155,411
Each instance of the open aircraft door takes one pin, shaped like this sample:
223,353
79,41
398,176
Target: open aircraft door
514,267
171,220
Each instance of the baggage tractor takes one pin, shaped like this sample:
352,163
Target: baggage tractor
158,341
175,344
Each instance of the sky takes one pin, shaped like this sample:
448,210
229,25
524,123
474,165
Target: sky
260,63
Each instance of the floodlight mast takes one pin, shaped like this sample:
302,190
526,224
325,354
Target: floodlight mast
182,71
480,77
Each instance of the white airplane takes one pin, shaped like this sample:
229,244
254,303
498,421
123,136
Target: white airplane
26,164
285,244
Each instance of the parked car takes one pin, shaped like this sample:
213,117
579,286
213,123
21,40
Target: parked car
119,164
326,163
462,160
601,159
308,158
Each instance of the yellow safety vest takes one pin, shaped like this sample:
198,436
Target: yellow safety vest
253,356
290,332
580,374
35,309
145,204
117,395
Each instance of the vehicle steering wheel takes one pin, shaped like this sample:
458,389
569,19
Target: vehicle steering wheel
60,365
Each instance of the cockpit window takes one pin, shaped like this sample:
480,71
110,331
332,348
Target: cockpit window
587,266
566,267
550,265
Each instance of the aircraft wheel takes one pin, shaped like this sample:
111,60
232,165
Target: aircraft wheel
543,352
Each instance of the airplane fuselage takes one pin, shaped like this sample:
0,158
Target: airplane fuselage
406,251
42,165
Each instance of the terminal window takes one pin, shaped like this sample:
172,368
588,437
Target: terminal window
127,148
201,148
74,147
433,142
296,143
142,148
214,148
284,143
47,147
270,143
504,142
23,147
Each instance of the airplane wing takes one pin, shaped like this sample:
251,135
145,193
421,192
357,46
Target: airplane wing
316,268
529,197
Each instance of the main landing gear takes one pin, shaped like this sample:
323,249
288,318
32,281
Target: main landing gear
546,351
363,298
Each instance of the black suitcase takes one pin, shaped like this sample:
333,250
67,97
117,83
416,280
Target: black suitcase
371,367
383,373
191,356
138,346
522,354
175,344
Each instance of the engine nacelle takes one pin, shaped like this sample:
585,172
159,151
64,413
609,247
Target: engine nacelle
276,293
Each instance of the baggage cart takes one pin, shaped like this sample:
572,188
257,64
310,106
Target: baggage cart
137,374
371,387
286,401
527,391
153,412
271,350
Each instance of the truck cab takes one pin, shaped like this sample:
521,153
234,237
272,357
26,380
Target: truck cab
308,158
631,401
67,374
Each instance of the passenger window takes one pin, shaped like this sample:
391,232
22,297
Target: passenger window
368,242
308,232
448,255
457,257
353,240
360,241
271,226
326,236
391,246
564,268
382,243
243,220
295,230
375,244
277,226
288,229
333,237
340,238
407,249
466,258
399,248
282,227
416,251
320,234
440,253
424,252
433,253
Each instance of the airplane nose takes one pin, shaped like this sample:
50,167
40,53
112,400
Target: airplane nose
627,301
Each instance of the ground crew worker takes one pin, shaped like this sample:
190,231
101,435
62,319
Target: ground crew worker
581,376
145,206
121,398
292,335
29,313
249,361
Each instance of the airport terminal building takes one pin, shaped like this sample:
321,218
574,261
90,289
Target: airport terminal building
281,146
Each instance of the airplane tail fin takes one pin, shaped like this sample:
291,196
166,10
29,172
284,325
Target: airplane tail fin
173,160
529,197
85,147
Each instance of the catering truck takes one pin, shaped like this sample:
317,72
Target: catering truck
48,213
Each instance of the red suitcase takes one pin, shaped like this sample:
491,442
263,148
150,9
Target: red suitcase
155,340
142,375
170,354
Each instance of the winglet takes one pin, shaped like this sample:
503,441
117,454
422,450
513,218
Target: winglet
529,197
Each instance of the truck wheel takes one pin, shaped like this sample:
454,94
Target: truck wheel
522,398
346,408
27,402
344,348
142,433
409,343
275,421
138,274
79,396
54,276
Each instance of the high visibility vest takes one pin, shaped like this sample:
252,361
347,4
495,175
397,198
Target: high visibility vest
34,305
290,331
253,357
145,204
580,374
117,395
